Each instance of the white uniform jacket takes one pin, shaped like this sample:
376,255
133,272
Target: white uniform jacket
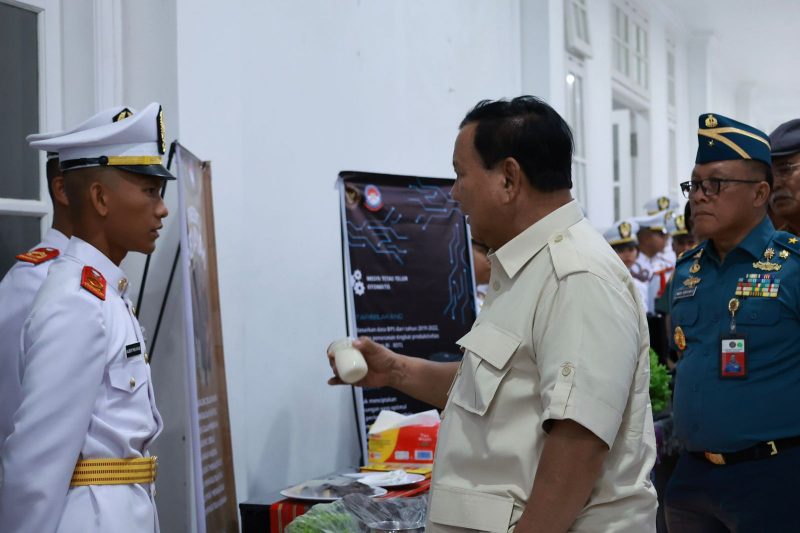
86,393
655,272
17,290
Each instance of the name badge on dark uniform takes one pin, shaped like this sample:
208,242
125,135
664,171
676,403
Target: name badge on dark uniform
132,350
685,292
733,356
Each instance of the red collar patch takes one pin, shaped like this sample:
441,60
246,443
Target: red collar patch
94,282
39,255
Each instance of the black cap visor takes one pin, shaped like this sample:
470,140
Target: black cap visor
150,170
782,151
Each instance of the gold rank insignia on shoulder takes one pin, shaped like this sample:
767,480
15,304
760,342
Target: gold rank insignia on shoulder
680,339
792,240
784,254
768,265
711,121
39,255
94,282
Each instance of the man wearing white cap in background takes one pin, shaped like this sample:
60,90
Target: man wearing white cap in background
622,238
679,228
652,267
22,282
663,205
77,459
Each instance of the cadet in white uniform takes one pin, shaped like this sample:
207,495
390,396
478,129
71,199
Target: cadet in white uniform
622,238
22,282
665,206
547,423
653,266
77,460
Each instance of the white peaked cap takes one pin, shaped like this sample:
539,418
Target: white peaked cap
106,116
135,144
660,204
676,225
656,222
622,232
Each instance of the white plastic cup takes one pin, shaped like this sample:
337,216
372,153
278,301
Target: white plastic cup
350,364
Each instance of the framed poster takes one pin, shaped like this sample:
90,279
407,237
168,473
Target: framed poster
212,456
408,273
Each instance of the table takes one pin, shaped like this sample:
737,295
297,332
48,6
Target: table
273,517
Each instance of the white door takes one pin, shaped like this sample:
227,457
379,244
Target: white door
623,164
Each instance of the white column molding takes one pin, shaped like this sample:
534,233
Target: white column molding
108,53
701,95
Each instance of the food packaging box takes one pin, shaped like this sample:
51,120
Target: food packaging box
403,441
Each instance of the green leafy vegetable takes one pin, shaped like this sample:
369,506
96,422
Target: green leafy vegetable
659,384
329,518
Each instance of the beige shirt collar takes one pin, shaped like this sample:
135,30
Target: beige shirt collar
513,255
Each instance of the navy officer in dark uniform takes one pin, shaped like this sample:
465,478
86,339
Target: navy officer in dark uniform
735,307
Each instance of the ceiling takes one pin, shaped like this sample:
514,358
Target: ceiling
756,42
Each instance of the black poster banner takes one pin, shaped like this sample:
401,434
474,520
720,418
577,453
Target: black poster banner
408,262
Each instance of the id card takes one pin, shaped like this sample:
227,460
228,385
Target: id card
733,356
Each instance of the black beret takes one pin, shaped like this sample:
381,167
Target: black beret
785,140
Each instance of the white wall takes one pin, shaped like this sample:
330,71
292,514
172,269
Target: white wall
280,98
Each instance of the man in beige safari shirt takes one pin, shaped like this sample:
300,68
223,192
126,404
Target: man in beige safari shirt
547,421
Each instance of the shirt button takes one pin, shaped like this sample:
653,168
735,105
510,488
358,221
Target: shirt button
147,358
566,371
133,383
122,284
559,238
496,285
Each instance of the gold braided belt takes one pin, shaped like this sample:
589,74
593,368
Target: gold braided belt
114,471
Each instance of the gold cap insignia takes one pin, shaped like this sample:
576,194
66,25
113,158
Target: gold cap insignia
680,223
663,203
162,145
711,121
122,115
625,230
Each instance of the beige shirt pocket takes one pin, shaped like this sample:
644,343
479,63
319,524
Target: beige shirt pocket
488,350
470,509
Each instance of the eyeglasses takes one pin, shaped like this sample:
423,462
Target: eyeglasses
784,171
709,186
